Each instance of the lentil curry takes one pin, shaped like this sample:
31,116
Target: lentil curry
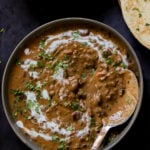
64,83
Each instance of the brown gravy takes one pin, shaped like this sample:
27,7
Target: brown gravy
64,83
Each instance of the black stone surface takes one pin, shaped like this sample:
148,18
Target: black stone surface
19,17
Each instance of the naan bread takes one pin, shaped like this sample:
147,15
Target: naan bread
136,14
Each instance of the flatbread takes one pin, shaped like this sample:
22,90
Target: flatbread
136,14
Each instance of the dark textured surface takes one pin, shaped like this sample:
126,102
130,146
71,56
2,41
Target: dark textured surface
19,17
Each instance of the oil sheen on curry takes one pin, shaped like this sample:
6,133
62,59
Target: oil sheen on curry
63,83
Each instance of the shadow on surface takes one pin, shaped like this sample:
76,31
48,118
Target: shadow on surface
46,11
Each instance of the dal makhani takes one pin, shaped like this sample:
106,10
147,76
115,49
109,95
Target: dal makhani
64,83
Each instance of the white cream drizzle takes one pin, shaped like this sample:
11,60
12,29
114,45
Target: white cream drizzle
35,134
37,115
41,118
27,51
34,74
58,40
52,125
55,127
85,118
45,94
59,74
27,63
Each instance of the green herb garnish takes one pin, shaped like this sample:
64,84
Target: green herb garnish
109,61
70,128
2,30
17,61
75,106
29,86
42,44
59,65
147,24
92,122
55,138
136,9
40,64
105,54
66,58
75,35
32,67
85,43
82,76
37,109
62,146
17,92
116,64
18,110
140,15
45,56
124,65
92,71
30,104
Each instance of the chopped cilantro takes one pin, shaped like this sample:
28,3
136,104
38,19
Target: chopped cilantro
42,44
116,64
17,92
75,106
147,24
70,128
49,66
40,64
109,61
2,30
92,71
140,15
29,104
82,76
55,138
124,65
92,122
66,58
75,35
17,61
85,43
37,109
29,86
17,111
136,9
61,146
32,67
104,54
45,56
59,65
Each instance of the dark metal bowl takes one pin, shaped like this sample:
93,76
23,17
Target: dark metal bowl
54,24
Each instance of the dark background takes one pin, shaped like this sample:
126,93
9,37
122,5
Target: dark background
19,17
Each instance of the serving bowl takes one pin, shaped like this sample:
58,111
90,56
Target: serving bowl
54,25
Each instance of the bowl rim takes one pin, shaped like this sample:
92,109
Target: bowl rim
95,23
